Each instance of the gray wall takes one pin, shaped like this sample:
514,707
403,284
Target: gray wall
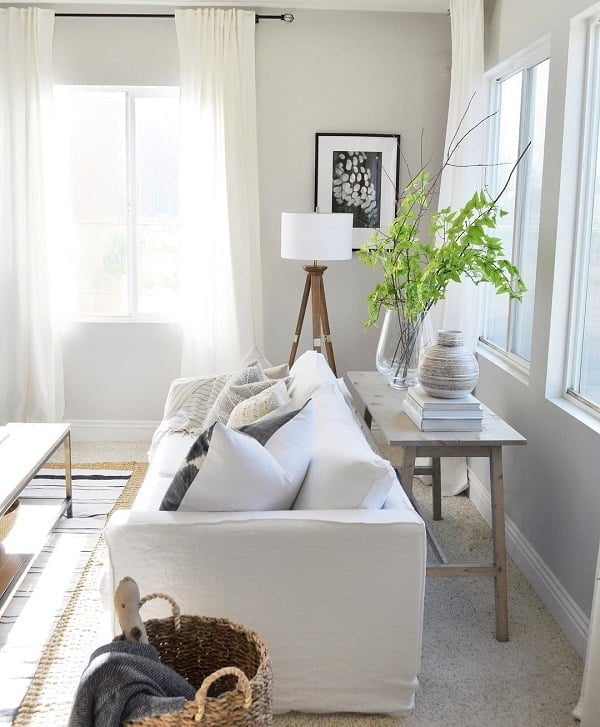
348,72
552,493
328,71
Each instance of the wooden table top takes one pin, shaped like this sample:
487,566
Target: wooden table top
23,452
384,403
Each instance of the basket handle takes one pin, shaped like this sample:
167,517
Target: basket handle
175,610
202,693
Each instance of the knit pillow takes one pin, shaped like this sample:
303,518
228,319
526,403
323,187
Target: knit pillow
241,385
259,405
277,372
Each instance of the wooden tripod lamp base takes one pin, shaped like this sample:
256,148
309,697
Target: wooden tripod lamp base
315,288
315,236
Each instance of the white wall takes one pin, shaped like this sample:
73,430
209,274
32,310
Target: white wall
328,71
552,493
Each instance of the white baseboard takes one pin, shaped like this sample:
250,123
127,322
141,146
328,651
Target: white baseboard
102,430
563,608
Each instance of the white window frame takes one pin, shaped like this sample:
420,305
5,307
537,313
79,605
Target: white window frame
590,148
524,60
131,93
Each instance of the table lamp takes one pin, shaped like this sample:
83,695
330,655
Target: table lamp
315,236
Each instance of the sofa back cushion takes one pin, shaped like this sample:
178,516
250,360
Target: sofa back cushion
310,372
344,472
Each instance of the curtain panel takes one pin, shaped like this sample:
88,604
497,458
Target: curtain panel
460,309
221,278
31,382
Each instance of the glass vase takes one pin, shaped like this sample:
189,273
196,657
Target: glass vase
401,343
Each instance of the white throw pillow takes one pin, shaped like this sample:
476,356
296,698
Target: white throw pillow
240,474
344,473
309,372
259,405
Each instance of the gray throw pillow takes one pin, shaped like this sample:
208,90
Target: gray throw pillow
261,430
243,384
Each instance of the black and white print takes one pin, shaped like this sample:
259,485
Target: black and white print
356,186
358,174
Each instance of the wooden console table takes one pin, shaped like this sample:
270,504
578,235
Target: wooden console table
22,454
381,403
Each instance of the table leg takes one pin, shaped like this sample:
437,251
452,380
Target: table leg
437,488
499,543
68,478
368,418
407,471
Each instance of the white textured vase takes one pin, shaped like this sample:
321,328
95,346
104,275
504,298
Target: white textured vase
448,369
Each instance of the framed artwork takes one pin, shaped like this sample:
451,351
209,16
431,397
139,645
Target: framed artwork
358,173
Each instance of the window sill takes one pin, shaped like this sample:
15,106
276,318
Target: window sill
504,362
125,319
578,411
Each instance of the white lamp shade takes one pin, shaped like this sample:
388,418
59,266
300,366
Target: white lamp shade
314,236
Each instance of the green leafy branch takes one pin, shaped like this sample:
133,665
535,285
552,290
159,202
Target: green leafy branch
458,244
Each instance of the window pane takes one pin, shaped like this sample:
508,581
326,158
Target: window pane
589,372
157,228
531,180
507,152
589,384
96,153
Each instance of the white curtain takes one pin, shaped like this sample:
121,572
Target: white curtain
460,309
588,708
31,383
222,316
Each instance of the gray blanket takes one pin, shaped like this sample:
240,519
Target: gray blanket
123,681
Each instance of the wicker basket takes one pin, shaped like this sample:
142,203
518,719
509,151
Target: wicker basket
226,662
7,520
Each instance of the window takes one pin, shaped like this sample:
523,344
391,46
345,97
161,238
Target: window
121,147
520,98
584,375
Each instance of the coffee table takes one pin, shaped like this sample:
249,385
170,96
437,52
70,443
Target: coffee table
378,402
22,454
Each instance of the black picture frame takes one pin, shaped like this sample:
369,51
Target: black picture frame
358,173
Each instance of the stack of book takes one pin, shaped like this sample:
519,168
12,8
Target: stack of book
432,414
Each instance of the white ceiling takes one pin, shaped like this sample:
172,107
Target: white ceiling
422,6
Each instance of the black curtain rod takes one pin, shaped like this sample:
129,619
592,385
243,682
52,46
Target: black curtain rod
286,17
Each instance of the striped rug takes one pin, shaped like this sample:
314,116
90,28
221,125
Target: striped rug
30,618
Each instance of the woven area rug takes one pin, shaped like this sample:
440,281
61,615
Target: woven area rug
80,628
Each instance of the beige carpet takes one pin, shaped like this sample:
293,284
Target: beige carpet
468,679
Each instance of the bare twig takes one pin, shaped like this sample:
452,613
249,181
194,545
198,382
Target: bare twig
512,171
495,164
462,118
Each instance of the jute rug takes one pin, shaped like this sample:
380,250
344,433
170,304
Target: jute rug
80,628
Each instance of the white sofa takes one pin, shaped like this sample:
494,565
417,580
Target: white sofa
337,595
